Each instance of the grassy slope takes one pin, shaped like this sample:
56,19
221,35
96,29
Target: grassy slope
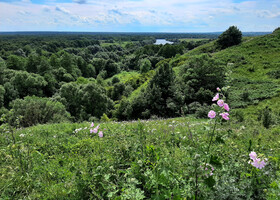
57,162
250,63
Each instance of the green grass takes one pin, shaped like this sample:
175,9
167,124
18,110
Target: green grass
134,160
254,66
124,76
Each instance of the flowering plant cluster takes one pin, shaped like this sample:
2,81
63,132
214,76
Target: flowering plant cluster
256,162
95,130
221,103
92,130
79,129
208,169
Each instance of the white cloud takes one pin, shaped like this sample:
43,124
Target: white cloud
185,15
46,9
22,12
61,9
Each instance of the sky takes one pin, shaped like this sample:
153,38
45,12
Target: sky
139,15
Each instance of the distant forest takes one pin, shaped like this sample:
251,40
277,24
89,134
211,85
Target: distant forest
57,76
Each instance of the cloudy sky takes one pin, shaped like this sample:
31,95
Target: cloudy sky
139,15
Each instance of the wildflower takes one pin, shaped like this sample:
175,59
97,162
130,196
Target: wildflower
92,125
258,163
253,155
91,131
211,114
225,115
220,103
209,168
226,107
21,135
100,134
95,130
216,97
218,89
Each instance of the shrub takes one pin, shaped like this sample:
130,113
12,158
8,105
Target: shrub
266,117
238,115
232,36
35,110
193,107
202,111
104,118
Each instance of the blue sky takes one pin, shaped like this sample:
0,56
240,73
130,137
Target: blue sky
139,15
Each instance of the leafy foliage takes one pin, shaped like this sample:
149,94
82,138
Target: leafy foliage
199,77
35,110
85,100
232,36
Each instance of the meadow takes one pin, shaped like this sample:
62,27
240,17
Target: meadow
116,117
145,159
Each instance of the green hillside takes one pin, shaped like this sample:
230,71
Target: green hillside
184,157
253,68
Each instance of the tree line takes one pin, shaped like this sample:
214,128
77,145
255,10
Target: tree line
73,73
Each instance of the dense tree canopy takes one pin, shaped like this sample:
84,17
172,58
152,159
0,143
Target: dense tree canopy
232,36
80,72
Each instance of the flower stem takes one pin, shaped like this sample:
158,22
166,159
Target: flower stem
211,138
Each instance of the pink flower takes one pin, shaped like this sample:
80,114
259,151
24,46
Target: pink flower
91,131
215,98
95,130
253,155
225,115
211,114
220,103
226,107
100,134
218,89
92,125
258,163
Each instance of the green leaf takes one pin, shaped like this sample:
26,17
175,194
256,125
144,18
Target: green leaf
250,146
210,181
273,185
214,160
220,140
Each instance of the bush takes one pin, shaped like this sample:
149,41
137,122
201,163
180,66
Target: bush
238,115
104,118
35,110
232,36
193,107
202,111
